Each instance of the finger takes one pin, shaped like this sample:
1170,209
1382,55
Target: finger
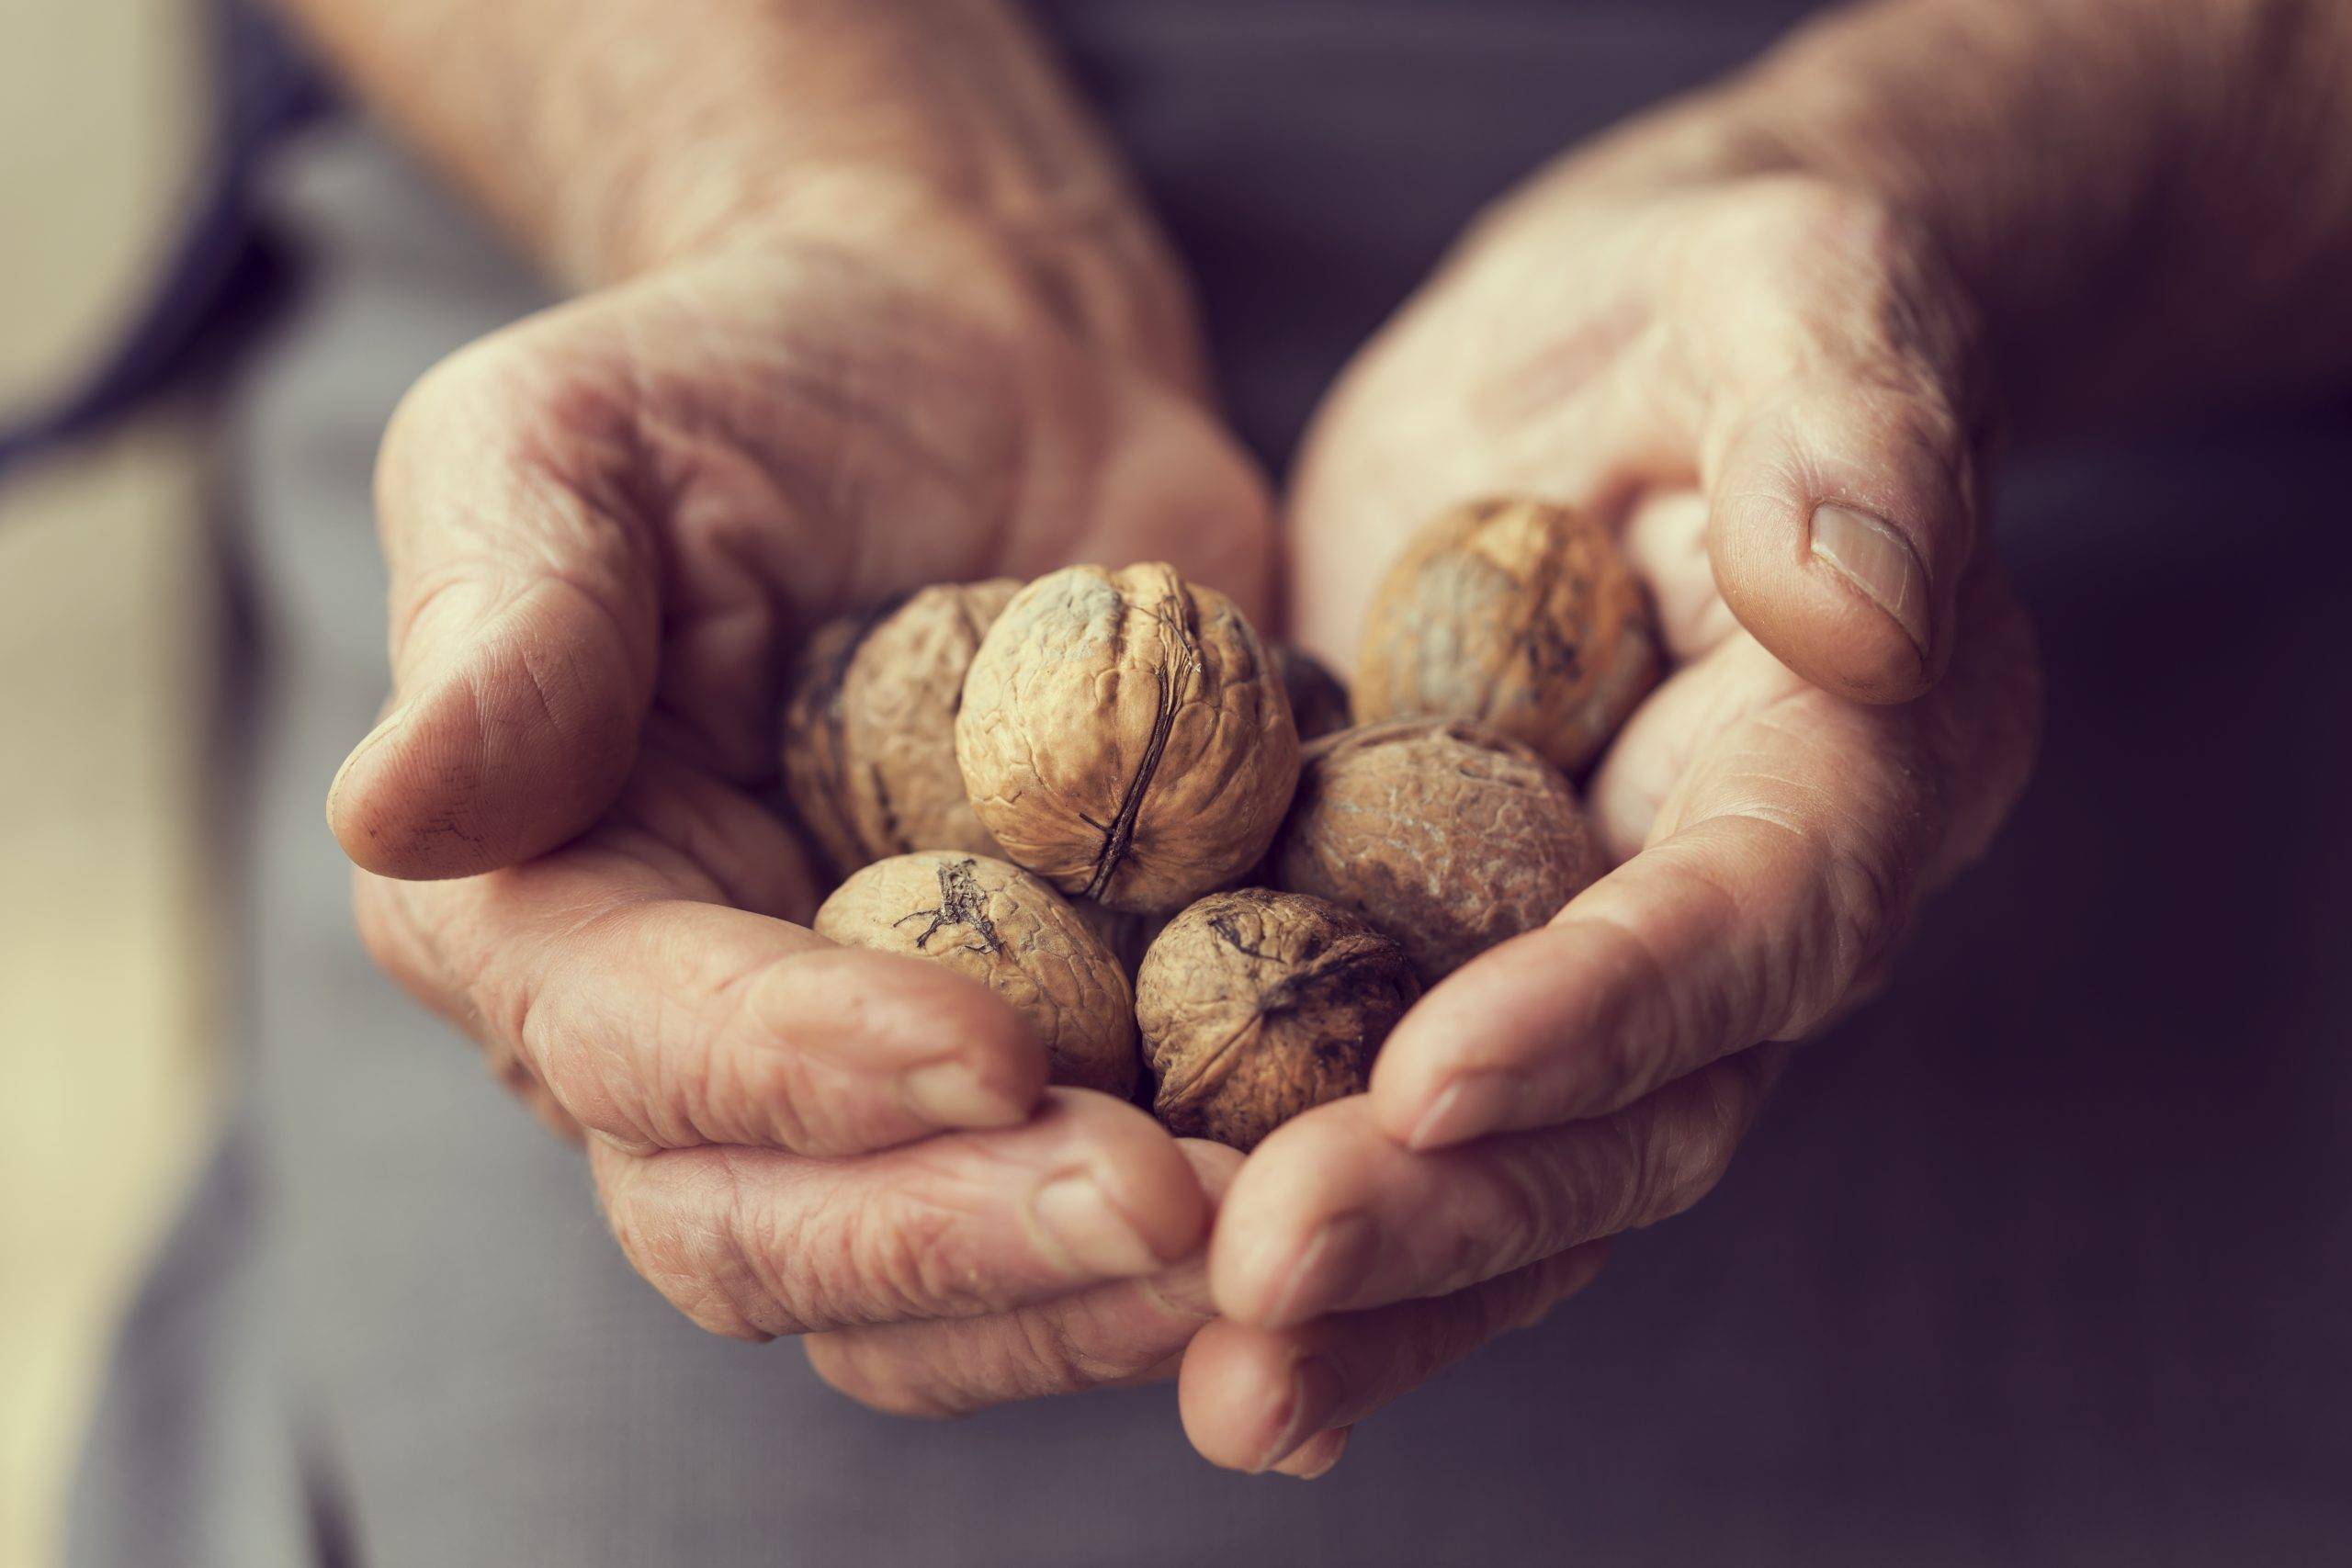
1331,1214
618,978
1114,1336
1666,542
1256,1399
1784,862
1844,512
753,1243
1316,1457
1840,444
1173,487
524,617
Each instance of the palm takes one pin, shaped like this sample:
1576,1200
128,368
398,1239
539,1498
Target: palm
782,438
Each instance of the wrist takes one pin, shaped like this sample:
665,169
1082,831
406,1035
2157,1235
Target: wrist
2145,200
1089,261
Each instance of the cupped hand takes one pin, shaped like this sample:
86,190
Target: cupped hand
607,526
1769,385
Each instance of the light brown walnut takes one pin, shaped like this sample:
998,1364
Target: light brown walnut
1445,836
1524,616
1125,734
1005,929
1255,1006
870,727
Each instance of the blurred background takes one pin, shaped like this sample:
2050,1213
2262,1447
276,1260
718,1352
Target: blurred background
2072,1196
108,898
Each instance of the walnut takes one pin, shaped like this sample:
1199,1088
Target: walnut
1524,616
1124,736
1444,835
1255,1006
869,729
1003,927
1319,703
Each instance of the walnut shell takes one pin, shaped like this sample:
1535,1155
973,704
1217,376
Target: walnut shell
1524,616
1124,736
1003,927
1255,1006
1444,835
869,728
1319,703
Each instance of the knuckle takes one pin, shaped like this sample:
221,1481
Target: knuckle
908,1256
1686,1154
692,1254
870,1373
1531,1206
1053,1357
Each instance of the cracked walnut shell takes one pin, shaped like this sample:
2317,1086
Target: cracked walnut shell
1255,1006
870,727
1524,616
1005,929
1125,734
1445,836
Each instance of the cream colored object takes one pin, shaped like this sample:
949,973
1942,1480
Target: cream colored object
102,128
106,998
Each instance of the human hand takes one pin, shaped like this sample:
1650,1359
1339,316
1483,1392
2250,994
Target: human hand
605,527
1717,363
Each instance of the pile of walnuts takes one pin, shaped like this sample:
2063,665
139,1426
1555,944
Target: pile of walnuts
1104,797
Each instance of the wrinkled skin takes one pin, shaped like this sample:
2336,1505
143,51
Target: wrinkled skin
1700,362
607,523
606,528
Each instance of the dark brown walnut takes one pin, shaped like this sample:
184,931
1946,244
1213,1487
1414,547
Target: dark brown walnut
1125,734
1255,1006
1524,616
1005,929
870,727
1319,703
1128,936
1446,836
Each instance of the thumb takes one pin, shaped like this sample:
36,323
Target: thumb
525,616
1843,514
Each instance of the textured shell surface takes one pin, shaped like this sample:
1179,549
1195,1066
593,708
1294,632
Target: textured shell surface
870,744
1524,616
1255,1005
996,923
1442,834
1125,736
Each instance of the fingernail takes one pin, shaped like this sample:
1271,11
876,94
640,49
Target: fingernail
1315,1395
1330,1269
1879,561
1089,1230
384,727
952,1094
1320,1454
1471,1106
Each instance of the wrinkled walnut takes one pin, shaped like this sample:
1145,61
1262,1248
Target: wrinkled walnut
1124,736
1445,836
1524,616
1004,928
1319,703
1255,1006
870,727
